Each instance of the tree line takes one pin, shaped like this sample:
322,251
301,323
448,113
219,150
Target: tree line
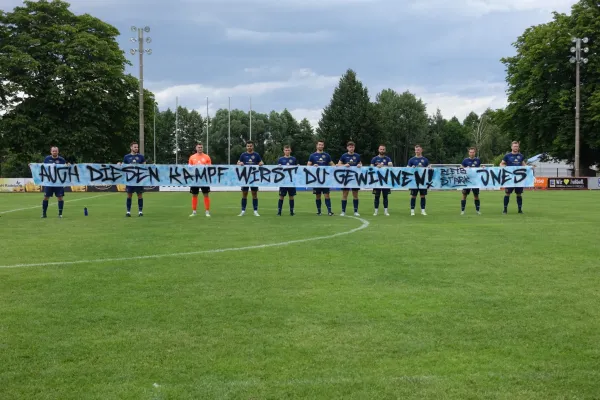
64,82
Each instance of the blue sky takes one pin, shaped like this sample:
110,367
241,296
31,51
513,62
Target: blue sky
291,53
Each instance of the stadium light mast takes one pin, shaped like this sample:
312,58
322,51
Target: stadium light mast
577,60
140,50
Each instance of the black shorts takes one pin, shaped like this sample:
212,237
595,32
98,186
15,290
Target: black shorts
287,191
353,189
57,191
378,192
467,191
518,190
135,189
422,192
320,191
253,188
196,189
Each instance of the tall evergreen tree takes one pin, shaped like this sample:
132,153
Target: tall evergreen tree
350,116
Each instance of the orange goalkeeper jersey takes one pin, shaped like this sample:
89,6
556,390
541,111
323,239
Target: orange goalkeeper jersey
199,159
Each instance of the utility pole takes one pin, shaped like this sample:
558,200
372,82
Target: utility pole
141,51
577,60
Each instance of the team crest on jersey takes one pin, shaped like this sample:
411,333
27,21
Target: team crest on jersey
252,157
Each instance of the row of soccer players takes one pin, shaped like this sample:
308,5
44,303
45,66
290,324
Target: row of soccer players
318,158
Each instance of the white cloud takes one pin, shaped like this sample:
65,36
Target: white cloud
313,115
190,95
459,100
284,4
250,36
482,7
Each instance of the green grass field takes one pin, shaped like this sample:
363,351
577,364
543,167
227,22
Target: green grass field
170,307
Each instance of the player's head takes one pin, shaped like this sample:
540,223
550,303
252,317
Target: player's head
350,146
418,150
287,150
54,151
320,145
515,147
381,150
199,148
249,146
472,151
134,147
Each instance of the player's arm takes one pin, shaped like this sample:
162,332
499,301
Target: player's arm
240,160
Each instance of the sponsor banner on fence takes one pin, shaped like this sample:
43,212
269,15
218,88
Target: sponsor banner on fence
443,178
12,185
567,183
541,183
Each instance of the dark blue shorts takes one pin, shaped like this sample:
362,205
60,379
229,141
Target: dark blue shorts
291,191
353,189
378,192
467,191
518,190
253,188
422,192
135,189
50,191
320,191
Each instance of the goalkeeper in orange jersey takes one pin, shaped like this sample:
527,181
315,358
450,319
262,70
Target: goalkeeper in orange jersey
200,158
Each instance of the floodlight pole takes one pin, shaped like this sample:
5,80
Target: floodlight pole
577,60
141,51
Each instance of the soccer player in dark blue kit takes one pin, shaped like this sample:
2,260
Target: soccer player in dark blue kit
250,157
321,159
513,159
418,161
350,159
381,161
470,162
286,160
134,157
50,191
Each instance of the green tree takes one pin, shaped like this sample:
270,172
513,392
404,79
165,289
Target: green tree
403,122
303,144
165,137
64,84
349,116
541,87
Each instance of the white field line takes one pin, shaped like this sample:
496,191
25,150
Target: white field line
54,203
364,225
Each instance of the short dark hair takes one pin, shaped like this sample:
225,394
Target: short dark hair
516,142
132,143
351,143
321,141
199,144
250,142
418,145
472,148
287,146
